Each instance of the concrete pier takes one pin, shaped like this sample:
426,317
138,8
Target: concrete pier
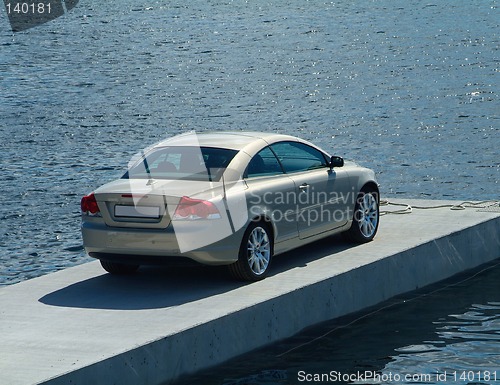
83,326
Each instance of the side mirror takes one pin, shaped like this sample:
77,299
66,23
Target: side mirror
336,161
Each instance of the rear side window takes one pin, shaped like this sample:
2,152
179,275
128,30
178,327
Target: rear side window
183,162
264,163
295,156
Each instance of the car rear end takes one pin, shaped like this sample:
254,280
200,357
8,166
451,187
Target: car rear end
130,222
155,213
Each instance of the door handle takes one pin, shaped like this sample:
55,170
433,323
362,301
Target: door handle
303,187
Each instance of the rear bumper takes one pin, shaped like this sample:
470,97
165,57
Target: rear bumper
154,246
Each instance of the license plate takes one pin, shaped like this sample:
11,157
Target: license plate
137,211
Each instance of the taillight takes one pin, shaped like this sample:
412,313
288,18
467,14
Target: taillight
89,204
189,208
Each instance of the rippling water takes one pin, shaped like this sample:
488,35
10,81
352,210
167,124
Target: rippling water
407,88
447,334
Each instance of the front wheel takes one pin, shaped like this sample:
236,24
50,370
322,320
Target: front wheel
118,268
255,253
365,218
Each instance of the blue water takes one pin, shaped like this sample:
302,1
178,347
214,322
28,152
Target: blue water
407,88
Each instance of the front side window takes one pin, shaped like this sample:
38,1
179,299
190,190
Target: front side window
295,156
182,162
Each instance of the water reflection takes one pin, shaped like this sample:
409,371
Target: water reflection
467,349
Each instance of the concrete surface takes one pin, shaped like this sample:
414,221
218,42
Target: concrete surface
82,326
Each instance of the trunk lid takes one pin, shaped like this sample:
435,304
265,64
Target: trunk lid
148,203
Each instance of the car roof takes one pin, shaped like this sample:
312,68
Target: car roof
235,140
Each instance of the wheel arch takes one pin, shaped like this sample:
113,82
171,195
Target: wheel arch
263,217
372,187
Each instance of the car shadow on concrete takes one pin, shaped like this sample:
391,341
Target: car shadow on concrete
149,288
303,255
168,286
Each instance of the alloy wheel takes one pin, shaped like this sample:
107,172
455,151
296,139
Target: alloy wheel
367,215
259,250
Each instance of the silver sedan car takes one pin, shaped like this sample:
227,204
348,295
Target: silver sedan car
227,198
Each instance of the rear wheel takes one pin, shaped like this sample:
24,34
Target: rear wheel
255,253
118,268
365,218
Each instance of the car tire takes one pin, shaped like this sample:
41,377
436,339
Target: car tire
118,268
366,217
255,254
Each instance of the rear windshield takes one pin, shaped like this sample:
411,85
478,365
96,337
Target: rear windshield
182,162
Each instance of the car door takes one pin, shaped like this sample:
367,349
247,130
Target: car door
321,193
